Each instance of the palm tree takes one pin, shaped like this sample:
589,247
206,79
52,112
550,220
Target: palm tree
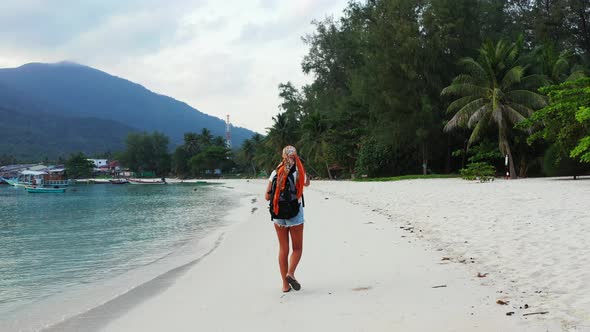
206,137
219,141
283,131
192,143
491,93
555,65
249,151
313,140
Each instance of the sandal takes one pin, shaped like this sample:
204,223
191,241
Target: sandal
294,283
288,290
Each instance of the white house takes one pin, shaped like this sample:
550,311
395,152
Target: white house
99,162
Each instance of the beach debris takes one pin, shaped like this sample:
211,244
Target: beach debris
328,198
502,302
446,259
368,223
439,250
510,313
480,275
358,289
526,306
536,313
462,261
254,200
440,286
254,209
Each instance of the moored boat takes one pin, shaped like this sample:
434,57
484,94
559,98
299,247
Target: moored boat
137,181
119,181
44,190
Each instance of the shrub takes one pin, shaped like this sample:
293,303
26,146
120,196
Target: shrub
479,171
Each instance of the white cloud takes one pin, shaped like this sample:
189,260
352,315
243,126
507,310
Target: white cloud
219,57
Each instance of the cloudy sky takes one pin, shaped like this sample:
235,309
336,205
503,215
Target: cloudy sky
218,56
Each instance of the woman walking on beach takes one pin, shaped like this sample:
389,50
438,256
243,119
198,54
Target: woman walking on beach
285,192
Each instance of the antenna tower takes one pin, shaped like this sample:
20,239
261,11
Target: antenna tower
228,133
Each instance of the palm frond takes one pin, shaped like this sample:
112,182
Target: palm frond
513,51
462,116
457,121
464,90
559,68
473,106
523,110
512,115
477,115
534,81
473,67
527,98
459,103
465,79
477,131
513,76
576,75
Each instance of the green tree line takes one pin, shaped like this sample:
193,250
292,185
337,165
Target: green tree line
148,153
408,87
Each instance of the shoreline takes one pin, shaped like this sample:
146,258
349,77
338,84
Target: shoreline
90,320
93,319
360,272
413,255
58,311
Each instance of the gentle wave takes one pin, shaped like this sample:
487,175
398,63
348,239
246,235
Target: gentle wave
65,254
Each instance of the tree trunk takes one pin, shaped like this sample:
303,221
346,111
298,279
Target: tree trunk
448,162
585,31
523,168
424,160
505,148
328,169
512,170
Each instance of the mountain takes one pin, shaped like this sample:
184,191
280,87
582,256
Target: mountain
44,135
69,102
32,130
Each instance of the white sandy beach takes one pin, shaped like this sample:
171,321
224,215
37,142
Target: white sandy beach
373,253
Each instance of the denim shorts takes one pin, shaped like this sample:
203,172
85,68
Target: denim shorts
295,221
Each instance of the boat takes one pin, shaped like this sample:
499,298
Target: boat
119,181
137,181
29,178
44,190
100,181
26,178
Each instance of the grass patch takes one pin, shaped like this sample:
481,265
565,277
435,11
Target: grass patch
409,177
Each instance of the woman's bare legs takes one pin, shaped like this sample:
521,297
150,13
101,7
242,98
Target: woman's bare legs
283,235
297,244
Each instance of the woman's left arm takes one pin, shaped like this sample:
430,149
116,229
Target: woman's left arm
267,193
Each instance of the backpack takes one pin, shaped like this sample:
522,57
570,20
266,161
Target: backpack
288,203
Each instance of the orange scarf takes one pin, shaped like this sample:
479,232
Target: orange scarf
282,173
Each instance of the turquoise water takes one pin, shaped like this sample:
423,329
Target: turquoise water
56,244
